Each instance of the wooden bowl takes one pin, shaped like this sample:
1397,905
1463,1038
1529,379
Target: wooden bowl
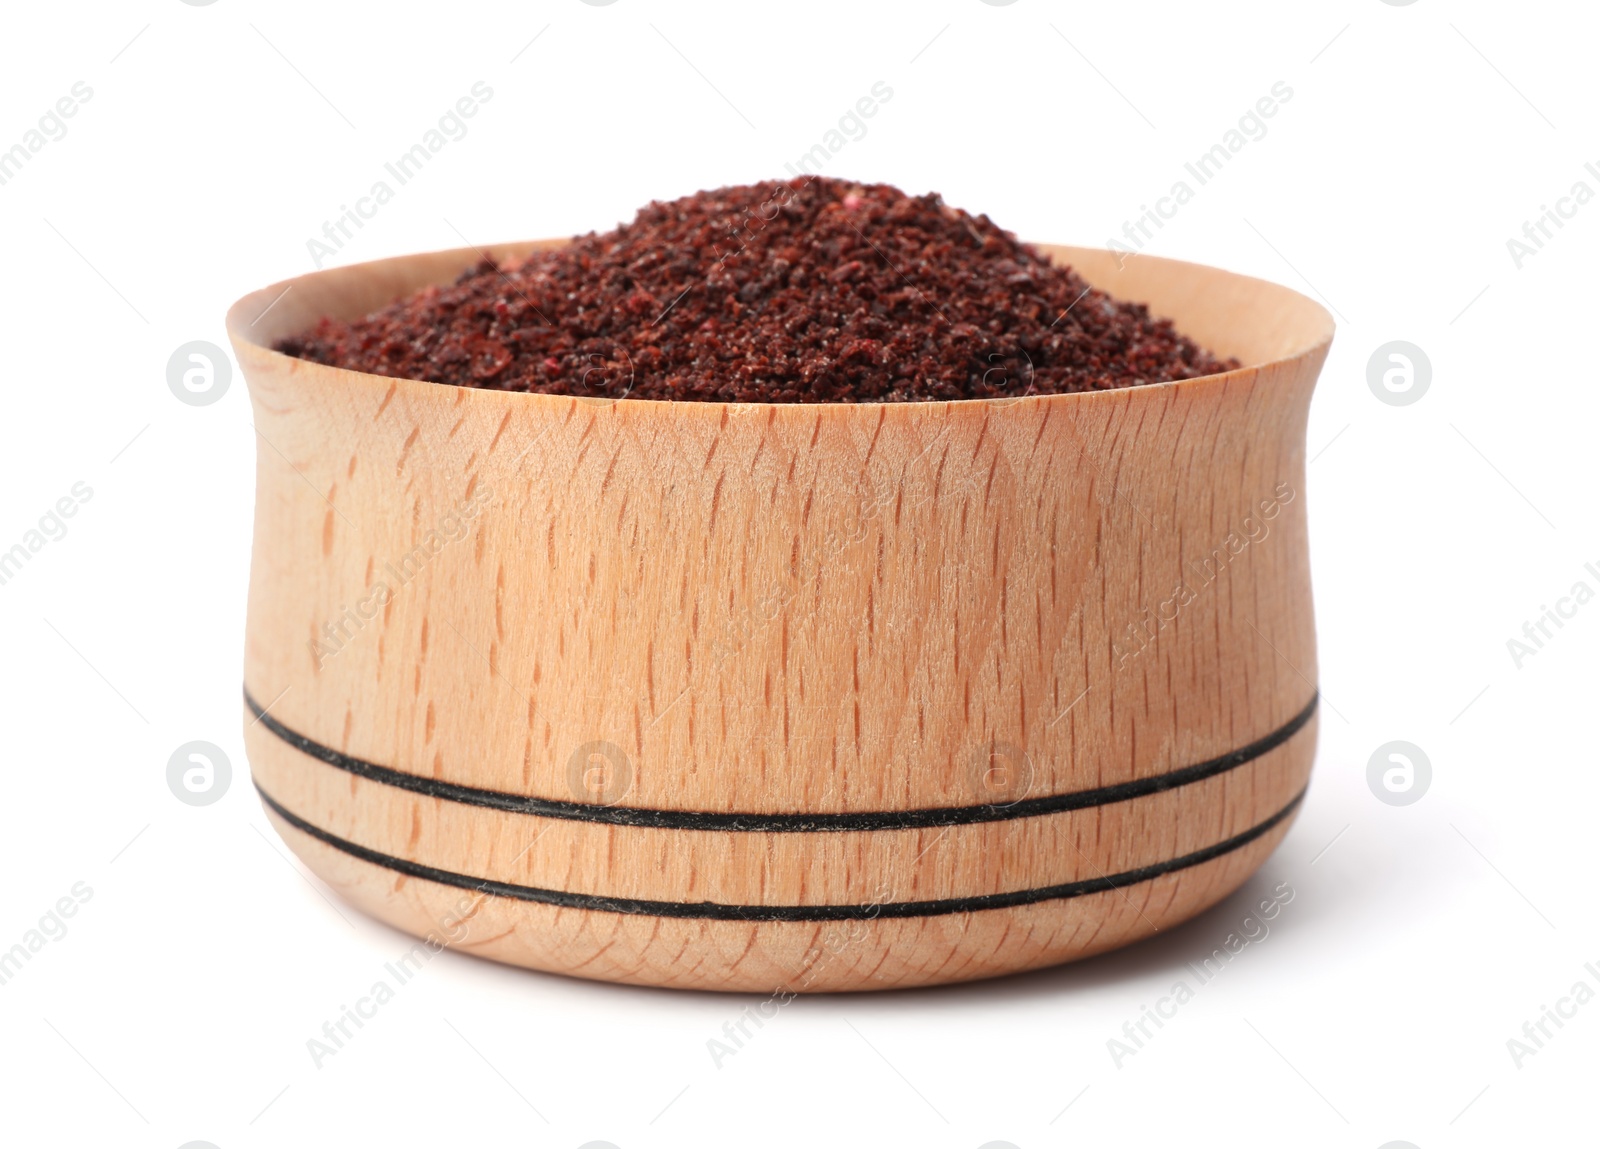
786,698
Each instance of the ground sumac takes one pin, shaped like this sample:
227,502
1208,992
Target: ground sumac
801,291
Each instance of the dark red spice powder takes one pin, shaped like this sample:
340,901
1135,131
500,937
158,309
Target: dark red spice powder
806,291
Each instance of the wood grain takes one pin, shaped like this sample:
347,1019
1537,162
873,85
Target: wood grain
783,610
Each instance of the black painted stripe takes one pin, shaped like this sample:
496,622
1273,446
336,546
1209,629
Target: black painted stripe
757,913
784,823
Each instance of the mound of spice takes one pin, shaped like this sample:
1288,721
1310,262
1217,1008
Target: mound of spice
812,290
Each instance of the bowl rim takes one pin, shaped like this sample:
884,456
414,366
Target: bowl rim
1318,319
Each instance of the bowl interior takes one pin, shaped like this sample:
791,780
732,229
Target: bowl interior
1232,315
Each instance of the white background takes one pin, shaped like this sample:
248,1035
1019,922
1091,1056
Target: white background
217,141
